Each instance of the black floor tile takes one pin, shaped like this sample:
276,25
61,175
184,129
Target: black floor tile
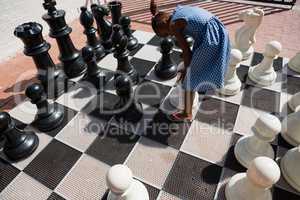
192,178
142,66
7,173
116,139
155,41
280,194
52,163
261,99
291,85
134,51
242,73
153,192
55,196
232,163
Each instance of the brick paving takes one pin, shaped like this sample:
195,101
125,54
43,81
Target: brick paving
19,70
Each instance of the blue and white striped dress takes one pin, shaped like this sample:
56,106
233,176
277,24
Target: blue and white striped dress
211,51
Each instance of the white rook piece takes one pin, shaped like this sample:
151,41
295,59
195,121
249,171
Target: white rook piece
290,164
265,130
122,186
291,128
264,73
262,174
294,101
232,84
294,63
176,97
245,36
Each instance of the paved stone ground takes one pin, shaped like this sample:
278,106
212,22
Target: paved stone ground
18,71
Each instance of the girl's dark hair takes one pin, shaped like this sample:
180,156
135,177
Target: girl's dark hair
158,20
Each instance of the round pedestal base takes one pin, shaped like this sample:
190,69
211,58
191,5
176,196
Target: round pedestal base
50,122
244,156
166,72
266,80
23,150
231,89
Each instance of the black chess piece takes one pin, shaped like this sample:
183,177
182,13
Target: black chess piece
52,78
121,53
104,26
166,68
70,57
129,109
18,144
115,8
49,115
87,20
132,41
95,75
188,39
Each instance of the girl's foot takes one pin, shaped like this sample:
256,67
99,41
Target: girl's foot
180,117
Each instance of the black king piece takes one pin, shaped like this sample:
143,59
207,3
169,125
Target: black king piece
70,57
52,78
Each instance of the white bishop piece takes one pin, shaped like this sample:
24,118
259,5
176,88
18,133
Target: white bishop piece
265,130
294,101
290,164
176,97
264,73
122,185
262,174
232,84
294,63
291,128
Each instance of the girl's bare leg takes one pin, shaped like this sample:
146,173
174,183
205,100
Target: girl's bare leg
188,103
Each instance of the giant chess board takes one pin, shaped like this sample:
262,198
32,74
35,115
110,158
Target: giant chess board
188,161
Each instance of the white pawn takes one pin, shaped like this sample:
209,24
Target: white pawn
291,128
245,35
262,174
290,164
122,186
264,73
294,101
265,130
232,84
176,97
294,63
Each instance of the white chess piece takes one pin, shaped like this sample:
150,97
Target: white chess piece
122,186
265,130
262,174
245,36
264,73
176,97
232,84
294,63
290,164
294,101
291,128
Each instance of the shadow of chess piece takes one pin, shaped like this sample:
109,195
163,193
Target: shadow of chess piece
52,78
87,20
18,144
130,109
95,75
166,68
49,115
115,8
104,26
70,57
132,41
121,54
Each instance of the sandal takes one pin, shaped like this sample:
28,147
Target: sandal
174,117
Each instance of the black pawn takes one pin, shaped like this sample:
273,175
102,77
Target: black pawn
104,26
18,144
115,8
97,76
129,109
87,20
121,53
166,68
70,57
52,78
132,41
49,115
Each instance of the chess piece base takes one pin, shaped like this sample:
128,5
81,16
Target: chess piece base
231,88
248,53
288,168
132,114
50,122
165,72
100,79
236,189
24,149
176,98
136,191
284,134
294,102
264,80
245,156
294,63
